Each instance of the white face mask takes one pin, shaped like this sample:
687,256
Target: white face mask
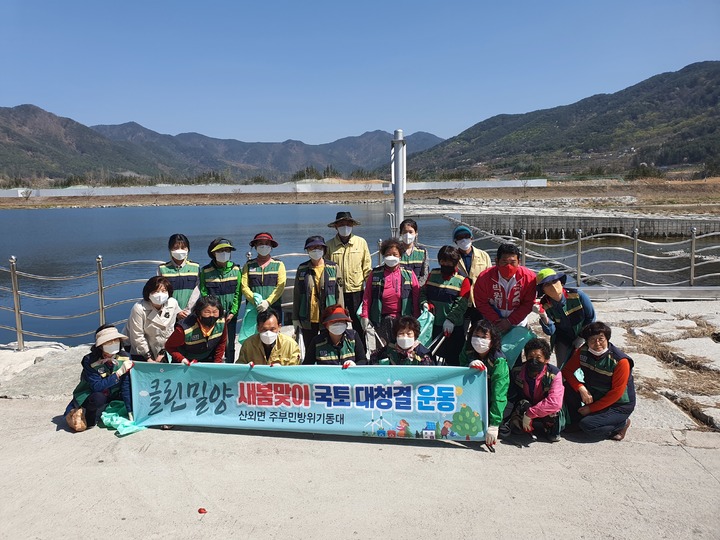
481,345
179,254
159,298
598,353
391,261
337,329
222,256
316,254
269,337
111,348
263,250
464,244
344,231
405,342
407,238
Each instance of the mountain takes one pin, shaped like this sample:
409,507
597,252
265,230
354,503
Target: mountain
36,143
666,120
199,153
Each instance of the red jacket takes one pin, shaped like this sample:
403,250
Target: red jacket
488,295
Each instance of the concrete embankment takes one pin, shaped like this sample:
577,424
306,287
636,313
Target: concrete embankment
662,481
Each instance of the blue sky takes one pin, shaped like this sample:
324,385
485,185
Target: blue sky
317,71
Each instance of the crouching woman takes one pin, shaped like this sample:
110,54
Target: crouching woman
608,391
104,378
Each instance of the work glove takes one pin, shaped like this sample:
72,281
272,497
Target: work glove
187,362
348,363
579,342
448,327
537,308
364,323
527,424
262,306
275,364
491,435
477,364
126,366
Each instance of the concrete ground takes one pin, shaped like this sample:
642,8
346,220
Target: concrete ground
662,481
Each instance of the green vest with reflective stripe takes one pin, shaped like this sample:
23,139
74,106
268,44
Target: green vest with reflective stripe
183,280
546,382
263,280
221,283
327,353
414,261
598,372
197,346
329,291
572,308
378,285
442,293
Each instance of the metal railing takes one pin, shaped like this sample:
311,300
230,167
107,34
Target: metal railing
567,256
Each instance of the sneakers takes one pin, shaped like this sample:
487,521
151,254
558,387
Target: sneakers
555,437
620,435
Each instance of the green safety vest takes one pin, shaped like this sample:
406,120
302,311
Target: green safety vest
378,285
197,346
598,372
263,280
443,293
572,308
221,283
329,291
329,354
414,261
183,280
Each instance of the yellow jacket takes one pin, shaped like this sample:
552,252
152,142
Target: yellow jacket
480,262
353,260
285,351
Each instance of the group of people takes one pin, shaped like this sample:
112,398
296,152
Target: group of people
348,313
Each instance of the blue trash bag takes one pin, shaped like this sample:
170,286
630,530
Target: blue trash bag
513,343
248,327
426,320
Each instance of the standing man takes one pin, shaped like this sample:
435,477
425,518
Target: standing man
505,293
351,254
473,262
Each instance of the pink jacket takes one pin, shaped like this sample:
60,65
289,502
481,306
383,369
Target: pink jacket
488,294
548,405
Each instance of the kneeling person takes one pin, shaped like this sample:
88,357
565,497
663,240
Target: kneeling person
269,346
337,344
536,390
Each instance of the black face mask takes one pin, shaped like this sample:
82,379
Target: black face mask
208,322
535,366
447,270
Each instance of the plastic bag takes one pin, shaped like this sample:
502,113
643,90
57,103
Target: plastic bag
115,417
513,343
248,326
426,320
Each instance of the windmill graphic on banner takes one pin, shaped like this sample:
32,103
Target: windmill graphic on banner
377,423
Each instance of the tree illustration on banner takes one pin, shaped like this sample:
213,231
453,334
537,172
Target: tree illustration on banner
467,422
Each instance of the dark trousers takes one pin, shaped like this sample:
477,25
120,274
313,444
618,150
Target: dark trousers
352,303
452,346
599,425
94,402
309,335
230,347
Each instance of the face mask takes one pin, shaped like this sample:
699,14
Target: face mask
316,254
159,298
535,365
407,238
179,254
268,338
208,322
464,244
222,256
598,353
481,345
263,251
344,231
405,342
554,290
111,348
507,271
391,261
337,329
447,270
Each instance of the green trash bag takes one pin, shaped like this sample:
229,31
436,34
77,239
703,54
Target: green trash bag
248,326
513,343
115,417
426,320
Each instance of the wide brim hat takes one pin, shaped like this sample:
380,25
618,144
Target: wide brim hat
263,236
315,241
548,275
108,334
342,216
336,315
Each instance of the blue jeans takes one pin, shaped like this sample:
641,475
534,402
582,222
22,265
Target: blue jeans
602,424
